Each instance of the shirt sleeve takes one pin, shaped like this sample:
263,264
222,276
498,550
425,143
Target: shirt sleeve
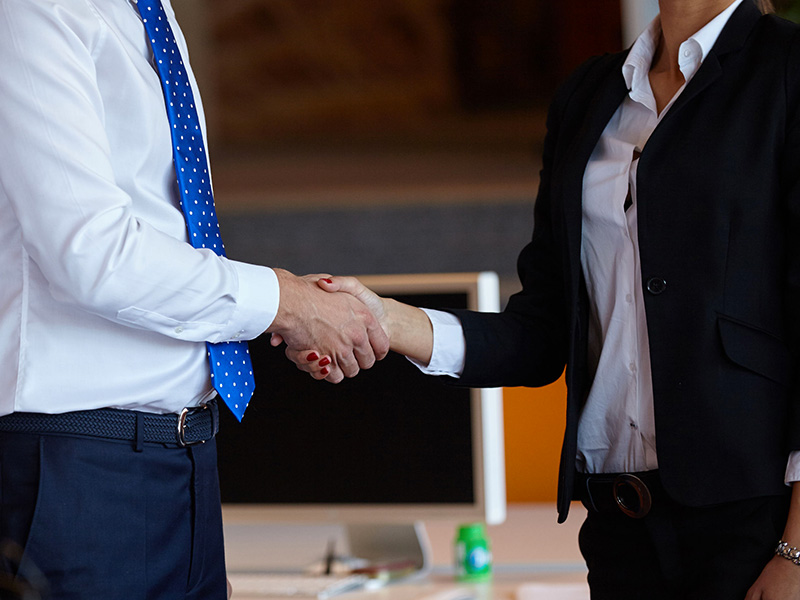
792,468
259,297
77,225
449,345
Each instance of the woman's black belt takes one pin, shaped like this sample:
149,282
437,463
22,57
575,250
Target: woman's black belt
192,426
631,494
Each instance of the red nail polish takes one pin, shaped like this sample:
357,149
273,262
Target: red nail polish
328,280
312,357
325,361
324,371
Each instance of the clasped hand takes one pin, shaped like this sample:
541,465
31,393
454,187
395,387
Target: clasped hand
337,328
408,328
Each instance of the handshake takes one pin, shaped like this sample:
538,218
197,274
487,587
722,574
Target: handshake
335,326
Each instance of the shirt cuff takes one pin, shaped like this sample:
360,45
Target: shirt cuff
449,345
792,468
256,303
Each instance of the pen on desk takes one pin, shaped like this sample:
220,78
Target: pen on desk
330,553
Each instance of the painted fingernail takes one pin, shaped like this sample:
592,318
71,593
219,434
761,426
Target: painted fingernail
312,357
328,280
324,371
325,361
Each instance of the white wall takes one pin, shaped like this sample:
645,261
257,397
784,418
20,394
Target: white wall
636,15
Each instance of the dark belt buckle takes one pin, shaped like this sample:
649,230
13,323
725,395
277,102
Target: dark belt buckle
632,496
182,441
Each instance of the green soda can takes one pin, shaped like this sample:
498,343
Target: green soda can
473,555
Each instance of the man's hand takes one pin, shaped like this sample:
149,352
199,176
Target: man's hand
338,326
409,330
314,360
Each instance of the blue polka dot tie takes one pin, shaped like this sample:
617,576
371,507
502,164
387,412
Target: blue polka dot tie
231,370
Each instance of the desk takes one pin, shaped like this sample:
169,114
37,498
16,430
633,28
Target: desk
529,547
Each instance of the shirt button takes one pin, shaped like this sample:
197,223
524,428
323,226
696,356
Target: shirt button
686,53
179,329
656,285
628,298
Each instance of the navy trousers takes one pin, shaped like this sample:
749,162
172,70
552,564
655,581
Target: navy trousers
682,553
100,521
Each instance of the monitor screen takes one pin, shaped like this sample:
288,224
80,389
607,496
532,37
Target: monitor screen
391,435
390,445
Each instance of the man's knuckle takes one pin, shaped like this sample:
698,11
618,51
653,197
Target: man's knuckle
359,338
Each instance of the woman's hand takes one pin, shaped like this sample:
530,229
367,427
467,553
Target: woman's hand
409,330
338,325
780,580
352,286
311,360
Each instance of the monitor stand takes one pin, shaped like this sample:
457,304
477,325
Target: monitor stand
399,548
292,547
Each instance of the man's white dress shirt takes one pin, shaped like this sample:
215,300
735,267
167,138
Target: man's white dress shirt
616,430
102,301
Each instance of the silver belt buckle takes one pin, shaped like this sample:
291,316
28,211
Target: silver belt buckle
182,427
632,496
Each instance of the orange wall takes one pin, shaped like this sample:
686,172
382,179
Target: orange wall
534,428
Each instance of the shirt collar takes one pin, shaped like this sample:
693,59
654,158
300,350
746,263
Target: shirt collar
691,53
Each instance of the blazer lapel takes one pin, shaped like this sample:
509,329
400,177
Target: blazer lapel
732,37
598,111
705,76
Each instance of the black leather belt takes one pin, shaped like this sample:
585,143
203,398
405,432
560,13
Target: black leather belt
631,494
191,426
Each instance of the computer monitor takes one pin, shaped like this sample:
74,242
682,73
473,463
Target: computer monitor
380,452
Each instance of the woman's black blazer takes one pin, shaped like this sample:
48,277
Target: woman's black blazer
719,239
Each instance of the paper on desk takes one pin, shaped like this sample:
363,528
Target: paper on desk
553,591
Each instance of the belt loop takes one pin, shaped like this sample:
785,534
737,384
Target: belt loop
589,494
139,443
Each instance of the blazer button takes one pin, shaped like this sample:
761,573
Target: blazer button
656,285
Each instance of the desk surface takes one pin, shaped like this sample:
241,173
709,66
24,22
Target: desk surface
530,547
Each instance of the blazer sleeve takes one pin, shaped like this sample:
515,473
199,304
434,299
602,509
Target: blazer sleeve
790,177
527,343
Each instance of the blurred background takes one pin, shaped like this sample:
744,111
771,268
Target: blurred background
386,136
396,136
